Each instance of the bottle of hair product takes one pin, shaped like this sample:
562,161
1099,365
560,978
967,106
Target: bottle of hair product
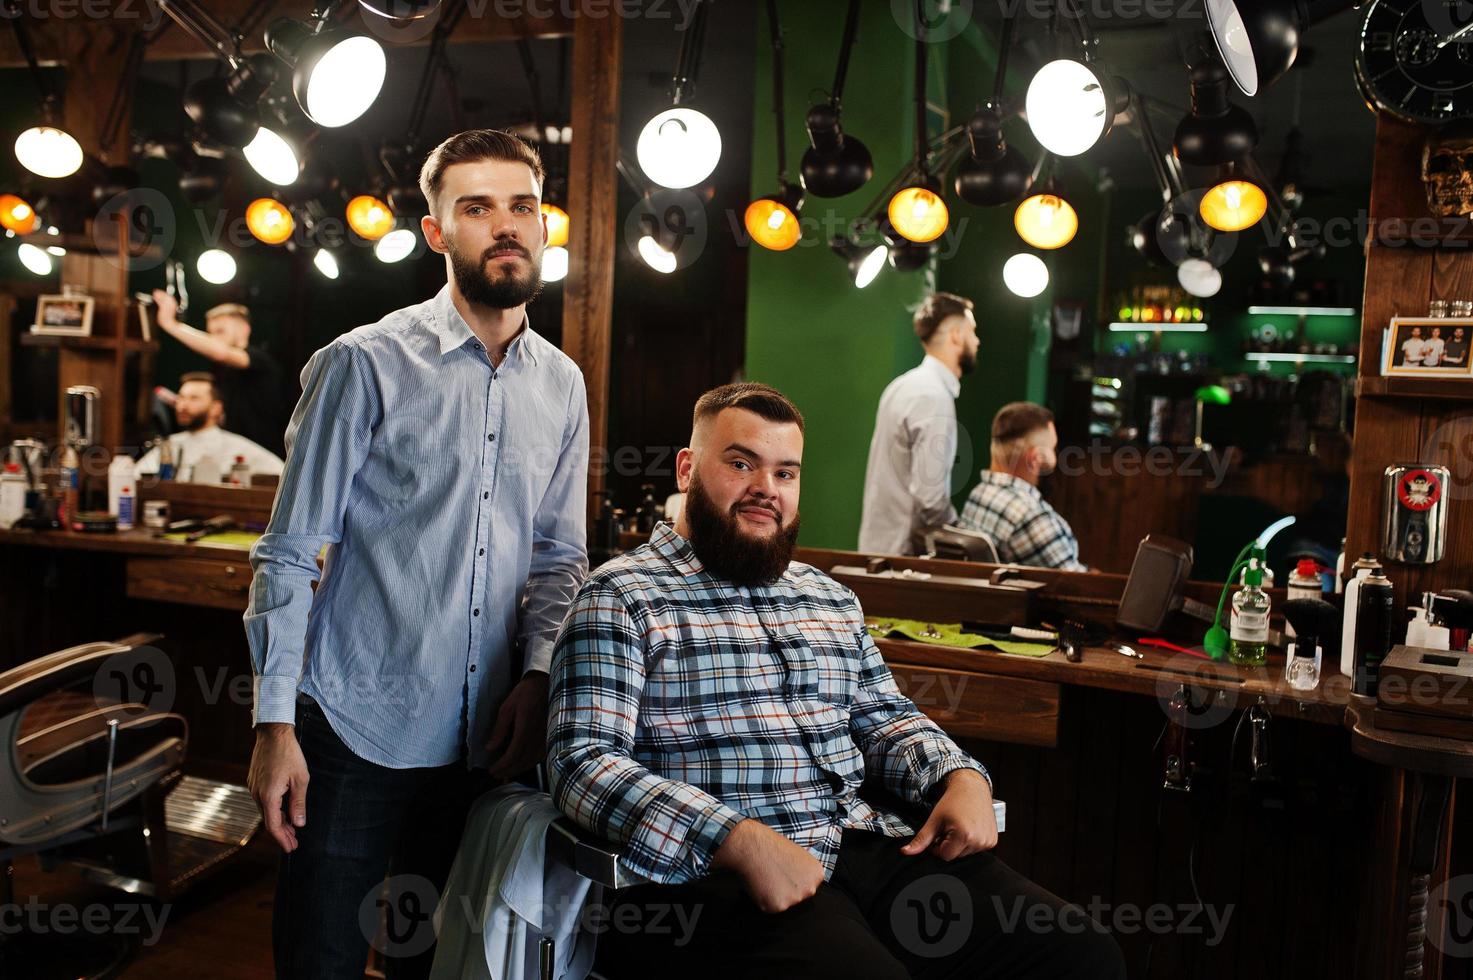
12,495
166,459
1373,622
69,487
240,473
1248,631
1304,583
1363,567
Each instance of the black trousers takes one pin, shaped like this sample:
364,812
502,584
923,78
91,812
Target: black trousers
365,821
881,916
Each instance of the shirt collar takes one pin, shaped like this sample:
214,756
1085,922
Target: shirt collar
453,332
952,382
1014,483
670,546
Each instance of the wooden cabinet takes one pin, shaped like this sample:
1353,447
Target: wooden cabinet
211,582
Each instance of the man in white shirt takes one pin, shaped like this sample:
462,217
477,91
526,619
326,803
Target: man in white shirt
203,451
907,483
1432,350
1414,348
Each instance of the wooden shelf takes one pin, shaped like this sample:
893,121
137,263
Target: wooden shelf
93,343
1452,388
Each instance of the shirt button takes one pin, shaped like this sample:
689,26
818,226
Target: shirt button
481,552
479,347
490,437
475,612
473,668
485,494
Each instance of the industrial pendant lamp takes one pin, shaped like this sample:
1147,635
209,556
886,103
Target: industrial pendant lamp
1025,275
17,215
1046,219
864,260
681,146
370,217
336,75
269,221
994,172
1215,131
835,163
46,150
1233,202
400,9
1259,39
917,212
772,221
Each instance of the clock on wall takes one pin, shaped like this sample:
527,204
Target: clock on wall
1415,59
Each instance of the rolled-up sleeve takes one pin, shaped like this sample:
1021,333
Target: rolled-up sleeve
327,442
904,749
670,830
559,541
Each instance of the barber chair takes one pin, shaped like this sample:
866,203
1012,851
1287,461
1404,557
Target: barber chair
598,860
959,544
96,783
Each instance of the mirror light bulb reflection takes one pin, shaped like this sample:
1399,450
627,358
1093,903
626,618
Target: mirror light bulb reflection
1199,277
1067,108
1025,275
272,157
345,81
919,214
48,152
656,256
34,259
216,266
554,264
396,246
326,263
678,148
1046,221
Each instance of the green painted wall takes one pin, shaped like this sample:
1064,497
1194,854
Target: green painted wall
834,348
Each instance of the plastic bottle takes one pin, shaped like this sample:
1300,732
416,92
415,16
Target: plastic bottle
13,488
1363,567
1422,633
1248,632
1340,569
240,473
121,472
166,460
68,487
1304,583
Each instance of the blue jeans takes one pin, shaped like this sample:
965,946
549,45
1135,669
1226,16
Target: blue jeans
365,821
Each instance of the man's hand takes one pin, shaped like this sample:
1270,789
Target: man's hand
519,738
279,773
778,873
168,308
961,822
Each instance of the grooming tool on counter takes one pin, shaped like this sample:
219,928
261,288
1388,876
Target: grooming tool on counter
1453,609
95,522
183,526
1125,651
1217,641
214,525
1314,622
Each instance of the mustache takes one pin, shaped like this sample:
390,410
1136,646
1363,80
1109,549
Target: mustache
503,247
743,504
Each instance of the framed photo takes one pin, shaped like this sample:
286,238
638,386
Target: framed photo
1428,347
63,316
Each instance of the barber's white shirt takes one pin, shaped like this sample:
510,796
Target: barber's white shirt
907,482
212,443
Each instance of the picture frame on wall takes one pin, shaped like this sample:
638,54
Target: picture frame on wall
63,316
1428,347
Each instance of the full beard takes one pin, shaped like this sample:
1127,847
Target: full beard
730,553
968,363
503,293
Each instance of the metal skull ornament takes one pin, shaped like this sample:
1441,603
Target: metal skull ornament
1447,171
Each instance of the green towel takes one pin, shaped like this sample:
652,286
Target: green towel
951,635
225,539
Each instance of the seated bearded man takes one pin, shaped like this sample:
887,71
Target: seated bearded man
714,709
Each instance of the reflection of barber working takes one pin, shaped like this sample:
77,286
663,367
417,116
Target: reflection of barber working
248,377
203,450
907,482
1007,505
715,708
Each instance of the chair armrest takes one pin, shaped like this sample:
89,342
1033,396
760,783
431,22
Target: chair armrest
590,856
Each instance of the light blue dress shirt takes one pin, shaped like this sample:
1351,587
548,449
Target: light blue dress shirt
451,497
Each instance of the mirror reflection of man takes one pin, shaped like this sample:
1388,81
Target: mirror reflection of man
202,437
1007,505
248,377
907,482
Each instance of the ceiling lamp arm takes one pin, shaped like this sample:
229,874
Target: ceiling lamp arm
687,66
920,93
1152,147
49,96
777,92
846,45
201,25
434,61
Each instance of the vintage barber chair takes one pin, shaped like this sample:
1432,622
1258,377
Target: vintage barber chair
94,781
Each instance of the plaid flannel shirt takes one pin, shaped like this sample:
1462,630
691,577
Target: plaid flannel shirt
681,703
1023,527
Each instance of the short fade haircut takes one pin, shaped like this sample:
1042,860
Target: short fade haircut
202,376
934,309
469,147
1016,420
761,399
228,309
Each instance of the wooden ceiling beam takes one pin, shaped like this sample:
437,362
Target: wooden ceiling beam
54,25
